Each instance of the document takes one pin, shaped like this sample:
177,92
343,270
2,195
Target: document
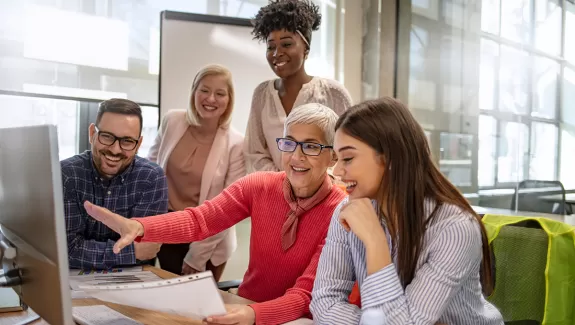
111,278
195,296
113,270
78,278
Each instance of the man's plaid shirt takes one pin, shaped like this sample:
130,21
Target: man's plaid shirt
141,190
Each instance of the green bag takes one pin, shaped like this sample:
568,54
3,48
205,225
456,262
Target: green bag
534,268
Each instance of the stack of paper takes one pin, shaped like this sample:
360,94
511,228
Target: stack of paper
113,270
196,296
9,300
110,277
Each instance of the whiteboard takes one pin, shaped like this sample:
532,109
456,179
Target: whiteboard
189,42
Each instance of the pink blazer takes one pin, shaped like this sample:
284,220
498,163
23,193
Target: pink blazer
224,165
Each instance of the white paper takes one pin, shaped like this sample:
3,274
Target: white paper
111,278
74,272
9,299
100,314
79,294
195,296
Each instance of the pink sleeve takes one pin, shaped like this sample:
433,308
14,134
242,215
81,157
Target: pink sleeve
195,224
295,302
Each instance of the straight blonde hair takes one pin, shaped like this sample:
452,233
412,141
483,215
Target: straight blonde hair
211,70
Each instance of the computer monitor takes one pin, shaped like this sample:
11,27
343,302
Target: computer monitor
32,220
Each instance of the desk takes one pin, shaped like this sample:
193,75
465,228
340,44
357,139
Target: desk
147,317
568,219
569,198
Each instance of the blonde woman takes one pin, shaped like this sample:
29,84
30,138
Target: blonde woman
201,155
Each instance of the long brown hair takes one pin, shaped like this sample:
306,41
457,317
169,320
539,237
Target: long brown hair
390,129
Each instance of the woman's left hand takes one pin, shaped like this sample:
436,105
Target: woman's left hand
187,269
237,315
360,217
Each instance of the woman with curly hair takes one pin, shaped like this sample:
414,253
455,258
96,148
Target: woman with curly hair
286,26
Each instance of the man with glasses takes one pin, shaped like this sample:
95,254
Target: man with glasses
114,176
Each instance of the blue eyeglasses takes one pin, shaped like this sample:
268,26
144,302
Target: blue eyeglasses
308,148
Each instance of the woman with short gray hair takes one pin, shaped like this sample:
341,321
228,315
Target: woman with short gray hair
290,213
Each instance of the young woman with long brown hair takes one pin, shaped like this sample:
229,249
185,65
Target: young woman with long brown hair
414,244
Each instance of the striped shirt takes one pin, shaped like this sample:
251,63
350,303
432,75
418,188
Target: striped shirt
141,190
446,287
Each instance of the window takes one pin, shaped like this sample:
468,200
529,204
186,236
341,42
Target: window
455,158
569,32
548,26
35,111
487,73
149,129
486,76
512,153
516,18
422,88
96,50
113,46
513,81
567,153
525,98
487,150
568,100
545,85
567,157
544,145
490,13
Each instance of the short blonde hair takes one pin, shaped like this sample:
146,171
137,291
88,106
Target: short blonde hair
211,70
314,114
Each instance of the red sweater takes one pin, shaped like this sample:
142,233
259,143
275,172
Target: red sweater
280,282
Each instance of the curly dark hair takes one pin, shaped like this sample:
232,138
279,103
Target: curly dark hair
291,15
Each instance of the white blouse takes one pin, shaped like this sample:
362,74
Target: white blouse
267,117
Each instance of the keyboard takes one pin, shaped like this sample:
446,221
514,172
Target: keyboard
100,315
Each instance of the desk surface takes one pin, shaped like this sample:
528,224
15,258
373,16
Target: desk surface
568,219
569,198
147,317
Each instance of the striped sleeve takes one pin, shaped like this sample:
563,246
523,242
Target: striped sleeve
334,279
454,254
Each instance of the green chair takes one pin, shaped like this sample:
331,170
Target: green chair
534,264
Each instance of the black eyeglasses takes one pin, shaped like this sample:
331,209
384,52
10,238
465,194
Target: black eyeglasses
308,148
108,139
